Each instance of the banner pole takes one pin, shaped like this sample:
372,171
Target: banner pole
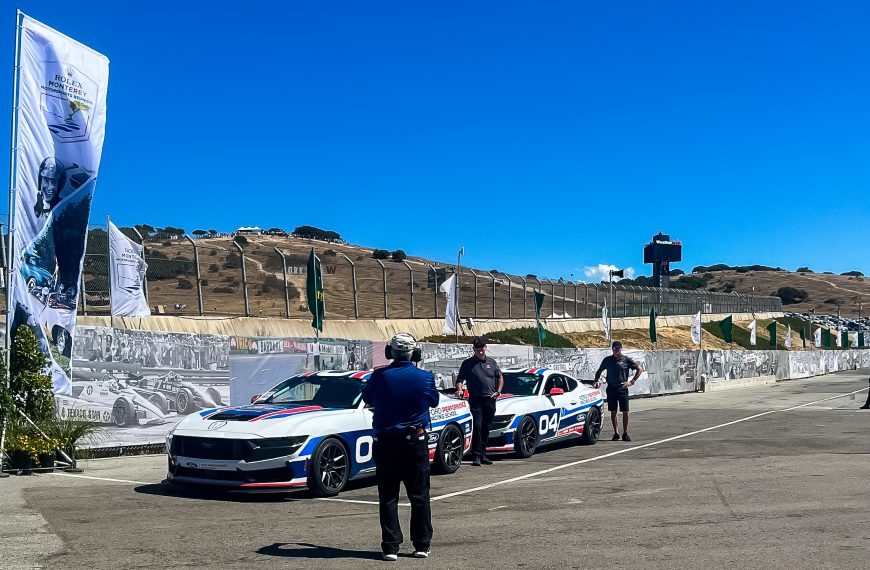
13,154
109,257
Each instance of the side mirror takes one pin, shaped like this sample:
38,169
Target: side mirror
254,398
556,391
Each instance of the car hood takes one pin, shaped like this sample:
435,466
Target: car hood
264,420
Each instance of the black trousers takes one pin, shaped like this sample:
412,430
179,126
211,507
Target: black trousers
482,412
403,459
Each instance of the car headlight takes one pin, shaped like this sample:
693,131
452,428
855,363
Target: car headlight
501,422
272,447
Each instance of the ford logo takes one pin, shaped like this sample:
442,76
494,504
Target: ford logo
216,425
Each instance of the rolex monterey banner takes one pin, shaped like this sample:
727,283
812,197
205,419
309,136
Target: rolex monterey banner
61,121
127,269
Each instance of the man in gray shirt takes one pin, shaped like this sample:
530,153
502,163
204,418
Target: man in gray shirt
484,381
617,367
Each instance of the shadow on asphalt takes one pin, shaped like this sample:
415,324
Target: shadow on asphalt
306,550
167,489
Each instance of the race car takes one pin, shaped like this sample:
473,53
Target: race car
311,430
170,392
108,402
539,406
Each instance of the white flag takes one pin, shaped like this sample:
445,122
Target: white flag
839,338
817,338
854,340
606,321
450,314
61,124
696,329
753,332
127,270
788,337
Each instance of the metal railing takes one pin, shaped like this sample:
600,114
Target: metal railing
223,277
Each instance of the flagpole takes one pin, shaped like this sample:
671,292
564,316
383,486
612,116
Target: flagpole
13,153
456,294
609,316
109,246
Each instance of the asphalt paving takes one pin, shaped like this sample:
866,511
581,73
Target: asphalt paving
770,476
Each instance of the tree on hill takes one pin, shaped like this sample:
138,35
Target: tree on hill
398,255
381,254
212,232
804,270
791,295
676,272
199,233
145,229
853,274
241,240
310,232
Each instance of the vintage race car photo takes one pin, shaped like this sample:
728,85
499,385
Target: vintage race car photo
171,393
540,406
107,402
311,430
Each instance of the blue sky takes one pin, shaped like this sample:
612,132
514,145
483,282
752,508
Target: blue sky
544,137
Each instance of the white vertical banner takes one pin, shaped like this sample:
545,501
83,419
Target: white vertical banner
61,122
853,340
450,313
839,339
817,338
606,321
127,274
696,328
788,337
753,332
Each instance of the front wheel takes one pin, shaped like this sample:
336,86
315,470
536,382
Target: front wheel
448,453
330,468
123,413
526,437
592,429
184,403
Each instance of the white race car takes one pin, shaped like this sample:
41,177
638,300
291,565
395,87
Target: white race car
539,406
108,402
311,430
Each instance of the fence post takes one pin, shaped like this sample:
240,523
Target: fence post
564,294
575,299
510,295
353,285
83,294
286,289
552,296
198,274
244,277
492,276
435,289
411,273
384,271
144,281
524,296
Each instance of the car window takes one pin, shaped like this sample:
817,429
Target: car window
328,392
572,384
521,384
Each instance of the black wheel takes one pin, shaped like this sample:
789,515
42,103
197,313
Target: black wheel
330,468
526,437
448,453
63,341
184,403
214,395
160,401
122,413
592,429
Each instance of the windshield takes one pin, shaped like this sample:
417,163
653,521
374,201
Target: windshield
521,384
328,392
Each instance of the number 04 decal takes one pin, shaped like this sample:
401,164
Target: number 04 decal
364,449
548,423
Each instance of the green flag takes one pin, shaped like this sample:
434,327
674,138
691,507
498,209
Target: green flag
803,337
771,328
652,324
826,338
539,302
314,290
844,339
860,340
726,326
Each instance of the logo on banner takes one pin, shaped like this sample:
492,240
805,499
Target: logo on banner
68,97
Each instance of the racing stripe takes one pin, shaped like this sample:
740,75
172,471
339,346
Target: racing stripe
282,413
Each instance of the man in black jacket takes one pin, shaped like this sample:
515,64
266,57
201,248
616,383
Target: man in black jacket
482,377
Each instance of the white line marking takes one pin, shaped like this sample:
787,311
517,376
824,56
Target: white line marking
357,501
633,448
101,478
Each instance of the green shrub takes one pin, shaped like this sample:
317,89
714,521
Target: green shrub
791,295
380,254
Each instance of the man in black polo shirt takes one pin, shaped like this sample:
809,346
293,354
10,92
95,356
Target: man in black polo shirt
617,367
484,381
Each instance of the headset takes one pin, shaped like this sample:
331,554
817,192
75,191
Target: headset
416,353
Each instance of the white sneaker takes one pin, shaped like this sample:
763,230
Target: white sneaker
391,557
422,553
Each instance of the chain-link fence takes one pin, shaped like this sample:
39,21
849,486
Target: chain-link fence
265,276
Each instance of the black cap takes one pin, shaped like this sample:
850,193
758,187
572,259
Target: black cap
479,342
616,344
